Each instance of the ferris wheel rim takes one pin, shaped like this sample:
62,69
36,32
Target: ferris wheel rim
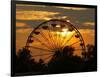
72,25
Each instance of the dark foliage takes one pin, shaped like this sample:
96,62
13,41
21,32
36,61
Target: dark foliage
61,62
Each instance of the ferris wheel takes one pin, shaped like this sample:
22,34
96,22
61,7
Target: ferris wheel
52,36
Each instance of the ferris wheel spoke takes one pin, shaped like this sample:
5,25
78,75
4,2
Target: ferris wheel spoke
78,49
51,37
54,37
58,41
74,43
63,41
63,37
46,39
41,42
48,57
69,39
42,49
40,55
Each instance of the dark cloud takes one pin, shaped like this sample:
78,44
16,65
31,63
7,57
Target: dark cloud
75,16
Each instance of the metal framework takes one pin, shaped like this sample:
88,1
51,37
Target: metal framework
54,35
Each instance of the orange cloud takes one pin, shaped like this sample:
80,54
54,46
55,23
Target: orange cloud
34,15
21,24
73,8
89,24
24,30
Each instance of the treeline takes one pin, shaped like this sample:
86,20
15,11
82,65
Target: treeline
61,62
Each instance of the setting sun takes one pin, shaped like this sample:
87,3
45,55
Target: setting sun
65,33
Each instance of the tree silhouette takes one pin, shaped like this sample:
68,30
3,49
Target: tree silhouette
65,61
23,60
91,55
25,63
61,62
90,51
68,51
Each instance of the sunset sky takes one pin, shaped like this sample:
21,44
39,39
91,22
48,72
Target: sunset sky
30,16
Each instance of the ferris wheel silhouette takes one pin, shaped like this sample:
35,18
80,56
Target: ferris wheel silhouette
54,36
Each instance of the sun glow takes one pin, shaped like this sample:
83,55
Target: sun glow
64,33
58,26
